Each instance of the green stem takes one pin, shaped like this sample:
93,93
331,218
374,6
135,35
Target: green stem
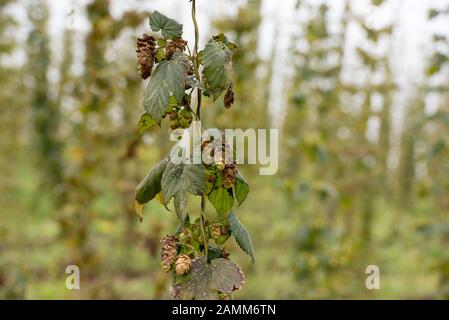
195,58
198,115
203,223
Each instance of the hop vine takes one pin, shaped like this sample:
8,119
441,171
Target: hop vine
195,252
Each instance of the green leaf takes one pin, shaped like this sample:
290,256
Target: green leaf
151,184
178,179
161,43
169,78
241,235
222,200
241,188
145,123
205,281
217,68
169,28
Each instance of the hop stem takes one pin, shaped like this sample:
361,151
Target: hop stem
195,58
198,115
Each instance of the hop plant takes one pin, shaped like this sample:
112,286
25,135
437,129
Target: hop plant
182,264
146,55
169,251
178,74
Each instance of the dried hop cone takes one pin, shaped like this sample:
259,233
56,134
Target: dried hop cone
229,175
169,251
182,264
175,45
146,55
229,97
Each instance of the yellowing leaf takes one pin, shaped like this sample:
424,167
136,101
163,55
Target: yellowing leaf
139,210
160,198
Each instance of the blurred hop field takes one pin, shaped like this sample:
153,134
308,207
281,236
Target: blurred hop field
357,89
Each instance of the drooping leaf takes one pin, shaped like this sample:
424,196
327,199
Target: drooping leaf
241,188
193,285
181,203
168,79
226,276
150,186
205,281
145,123
169,28
241,235
222,200
217,68
178,179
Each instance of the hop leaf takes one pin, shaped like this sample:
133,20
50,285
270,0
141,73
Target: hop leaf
169,28
217,68
151,184
145,123
207,281
168,79
178,179
241,188
241,235
222,200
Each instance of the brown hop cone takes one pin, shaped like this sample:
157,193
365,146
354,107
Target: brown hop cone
182,264
169,251
146,55
229,175
175,45
228,155
229,97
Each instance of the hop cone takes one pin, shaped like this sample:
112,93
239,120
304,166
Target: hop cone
169,251
230,169
215,230
176,45
183,264
146,52
229,174
229,97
